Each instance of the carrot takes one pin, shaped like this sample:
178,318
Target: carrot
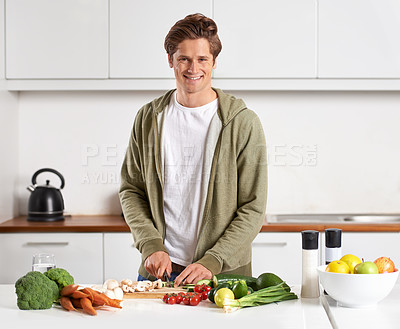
68,290
87,306
66,303
76,302
96,297
114,303
90,292
79,294
101,299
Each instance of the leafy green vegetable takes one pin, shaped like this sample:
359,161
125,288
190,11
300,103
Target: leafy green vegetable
60,276
264,296
35,291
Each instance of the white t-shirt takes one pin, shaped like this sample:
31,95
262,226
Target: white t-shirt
183,141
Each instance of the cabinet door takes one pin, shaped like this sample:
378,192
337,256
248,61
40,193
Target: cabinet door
47,39
279,253
359,39
137,33
79,253
121,258
372,245
266,38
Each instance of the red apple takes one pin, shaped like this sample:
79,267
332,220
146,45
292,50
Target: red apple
385,265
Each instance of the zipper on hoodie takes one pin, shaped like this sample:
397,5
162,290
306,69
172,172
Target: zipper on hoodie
158,168
212,176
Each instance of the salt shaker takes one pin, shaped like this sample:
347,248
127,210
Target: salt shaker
333,244
310,262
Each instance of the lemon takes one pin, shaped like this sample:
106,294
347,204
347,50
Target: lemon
221,295
351,260
338,266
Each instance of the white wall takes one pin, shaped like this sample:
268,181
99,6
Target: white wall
329,152
8,139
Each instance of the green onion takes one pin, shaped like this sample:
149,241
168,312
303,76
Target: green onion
264,296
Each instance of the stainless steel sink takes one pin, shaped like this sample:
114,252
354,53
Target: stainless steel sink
373,219
334,218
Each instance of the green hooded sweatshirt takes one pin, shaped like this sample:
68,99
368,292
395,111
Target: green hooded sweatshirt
234,195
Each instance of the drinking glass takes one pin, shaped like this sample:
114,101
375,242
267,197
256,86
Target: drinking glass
43,262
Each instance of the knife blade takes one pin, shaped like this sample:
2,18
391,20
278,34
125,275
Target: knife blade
168,283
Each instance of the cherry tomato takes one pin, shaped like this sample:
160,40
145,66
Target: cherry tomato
204,295
195,300
186,300
165,297
171,300
207,288
178,299
197,288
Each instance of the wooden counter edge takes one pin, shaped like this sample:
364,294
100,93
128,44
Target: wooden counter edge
115,223
345,227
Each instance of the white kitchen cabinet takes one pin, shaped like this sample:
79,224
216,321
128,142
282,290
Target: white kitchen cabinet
121,258
266,38
137,33
279,253
358,39
63,39
81,254
370,245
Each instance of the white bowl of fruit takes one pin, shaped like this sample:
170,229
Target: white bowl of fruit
355,283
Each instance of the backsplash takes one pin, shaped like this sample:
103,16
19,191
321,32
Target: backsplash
328,152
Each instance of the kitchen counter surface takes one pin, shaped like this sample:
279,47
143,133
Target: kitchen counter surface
115,223
152,313
316,313
385,315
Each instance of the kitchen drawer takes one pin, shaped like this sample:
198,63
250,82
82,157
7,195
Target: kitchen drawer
279,253
121,258
81,254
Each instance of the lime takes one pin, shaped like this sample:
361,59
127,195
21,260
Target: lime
239,289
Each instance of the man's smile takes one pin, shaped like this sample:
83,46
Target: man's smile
192,78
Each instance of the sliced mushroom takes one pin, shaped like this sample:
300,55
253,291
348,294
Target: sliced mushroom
159,284
128,282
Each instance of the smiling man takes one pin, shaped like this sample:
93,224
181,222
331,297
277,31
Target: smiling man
194,179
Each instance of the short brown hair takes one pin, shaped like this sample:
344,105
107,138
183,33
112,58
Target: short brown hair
195,26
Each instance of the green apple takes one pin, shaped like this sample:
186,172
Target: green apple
366,268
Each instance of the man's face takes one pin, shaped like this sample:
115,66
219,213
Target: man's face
193,64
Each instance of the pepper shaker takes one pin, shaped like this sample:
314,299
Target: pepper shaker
310,282
333,244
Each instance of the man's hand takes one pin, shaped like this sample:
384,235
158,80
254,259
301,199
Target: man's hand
192,274
157,263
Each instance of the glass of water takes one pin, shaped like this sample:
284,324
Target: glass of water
43,262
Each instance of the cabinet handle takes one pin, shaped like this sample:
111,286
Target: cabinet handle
34,243
271,244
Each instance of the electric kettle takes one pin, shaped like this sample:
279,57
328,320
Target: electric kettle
46,203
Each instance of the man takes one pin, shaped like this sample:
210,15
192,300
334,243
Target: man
194,179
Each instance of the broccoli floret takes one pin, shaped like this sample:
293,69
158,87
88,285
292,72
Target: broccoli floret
35,291
60,276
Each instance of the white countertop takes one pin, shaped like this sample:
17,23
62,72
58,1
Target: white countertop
153,313
384,315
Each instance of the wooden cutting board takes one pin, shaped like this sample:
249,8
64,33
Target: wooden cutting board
156,293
